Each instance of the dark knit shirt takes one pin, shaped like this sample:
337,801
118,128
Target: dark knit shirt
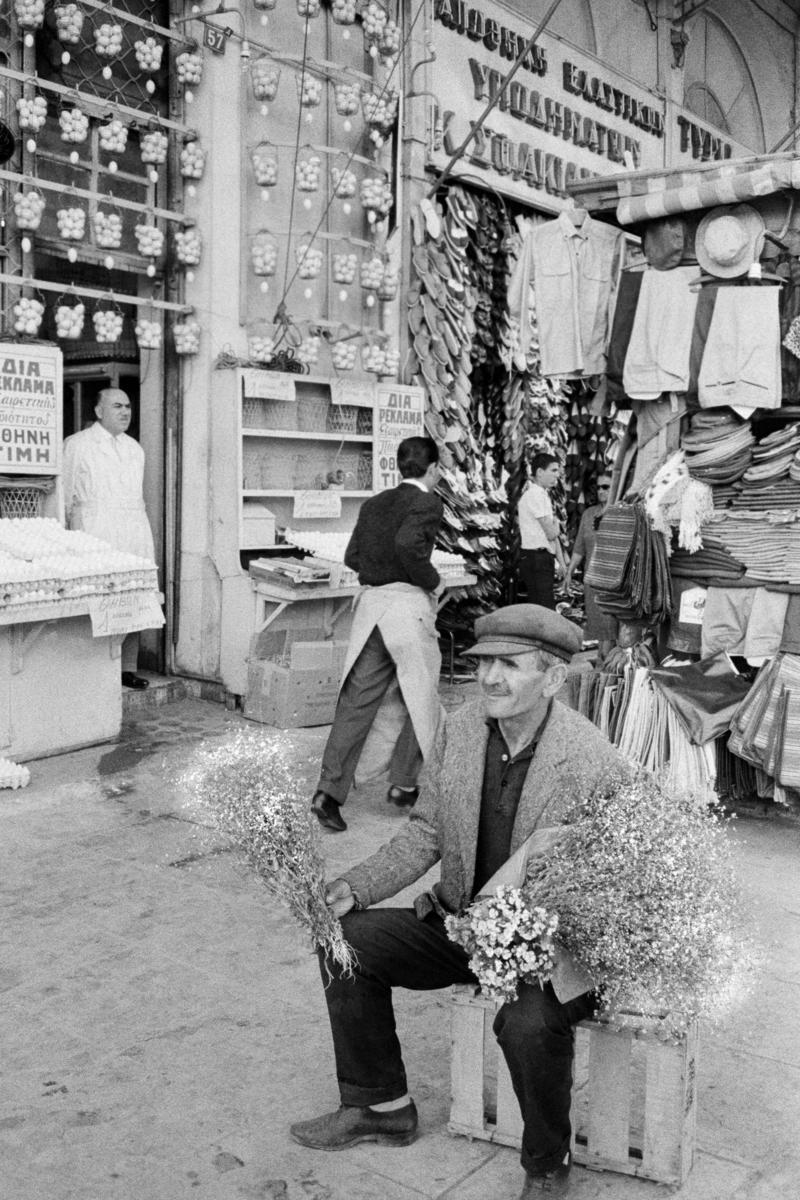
503,780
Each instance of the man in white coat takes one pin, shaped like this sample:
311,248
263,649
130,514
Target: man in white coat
103,477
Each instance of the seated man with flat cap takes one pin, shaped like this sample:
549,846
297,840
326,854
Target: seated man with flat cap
504,770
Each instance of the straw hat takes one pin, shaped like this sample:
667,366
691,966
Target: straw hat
729,240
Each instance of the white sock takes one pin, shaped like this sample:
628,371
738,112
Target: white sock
391,1105
400,788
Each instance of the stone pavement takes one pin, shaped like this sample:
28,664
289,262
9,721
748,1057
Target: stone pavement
161,1023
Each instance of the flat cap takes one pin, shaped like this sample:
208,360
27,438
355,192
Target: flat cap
518,628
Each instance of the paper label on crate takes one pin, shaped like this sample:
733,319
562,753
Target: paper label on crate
316,505
693,605
361,394
267,385
124,612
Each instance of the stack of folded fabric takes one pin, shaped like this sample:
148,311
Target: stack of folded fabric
781,493
711,563
718,446
794,468
773,457
629,567
768,545
764,729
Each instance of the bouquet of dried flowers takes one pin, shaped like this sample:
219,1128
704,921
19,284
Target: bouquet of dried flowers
644,886
250,792
640,890
509,942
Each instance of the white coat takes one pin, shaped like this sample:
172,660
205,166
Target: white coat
102,479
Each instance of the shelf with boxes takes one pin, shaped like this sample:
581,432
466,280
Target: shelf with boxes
298,434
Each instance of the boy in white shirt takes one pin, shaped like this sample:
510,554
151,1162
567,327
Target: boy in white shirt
541,556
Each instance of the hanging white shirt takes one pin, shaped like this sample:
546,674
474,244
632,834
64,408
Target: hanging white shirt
103,478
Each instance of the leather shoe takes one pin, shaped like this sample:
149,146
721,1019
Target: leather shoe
136,682
327,812
402,797
349,1126
553,1183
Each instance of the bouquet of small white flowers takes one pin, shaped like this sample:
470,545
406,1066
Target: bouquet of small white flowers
509,941
248,789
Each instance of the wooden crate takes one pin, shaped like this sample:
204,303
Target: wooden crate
633,1099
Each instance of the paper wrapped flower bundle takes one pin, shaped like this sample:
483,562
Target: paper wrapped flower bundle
640,890
247,788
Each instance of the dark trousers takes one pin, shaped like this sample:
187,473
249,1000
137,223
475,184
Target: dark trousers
536,1033
359,700
538,571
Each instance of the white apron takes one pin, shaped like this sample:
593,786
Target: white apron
405,616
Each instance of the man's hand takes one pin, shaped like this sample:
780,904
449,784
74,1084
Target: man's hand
560,570
339,897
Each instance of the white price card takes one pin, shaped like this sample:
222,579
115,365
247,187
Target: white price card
267,385
346,391
692,607
317,505
124,612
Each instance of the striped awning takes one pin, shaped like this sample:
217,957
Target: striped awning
636,197
729,183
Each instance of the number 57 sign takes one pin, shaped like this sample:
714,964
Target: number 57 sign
215,38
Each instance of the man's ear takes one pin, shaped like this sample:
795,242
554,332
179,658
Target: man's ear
554,680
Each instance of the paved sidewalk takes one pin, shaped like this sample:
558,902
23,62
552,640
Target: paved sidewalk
161,1024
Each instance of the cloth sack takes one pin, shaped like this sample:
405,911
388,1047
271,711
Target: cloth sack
704,695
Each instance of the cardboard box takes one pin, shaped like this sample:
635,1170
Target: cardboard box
290,698
258,526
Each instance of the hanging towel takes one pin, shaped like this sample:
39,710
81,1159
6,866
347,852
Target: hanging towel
742,363
658,352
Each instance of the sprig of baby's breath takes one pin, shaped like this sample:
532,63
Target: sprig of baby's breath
248,789
644,886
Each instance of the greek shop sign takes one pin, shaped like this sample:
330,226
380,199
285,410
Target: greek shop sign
564,117
30,409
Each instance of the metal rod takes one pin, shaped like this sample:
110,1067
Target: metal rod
101,104
47,185
495,99
44,285
150,26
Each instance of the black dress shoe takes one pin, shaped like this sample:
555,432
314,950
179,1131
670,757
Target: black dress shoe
349,1126
136,682
327,812
402,797
554,1183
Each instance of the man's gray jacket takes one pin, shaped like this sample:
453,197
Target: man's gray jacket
571,756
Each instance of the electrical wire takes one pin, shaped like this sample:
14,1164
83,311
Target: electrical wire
280,313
